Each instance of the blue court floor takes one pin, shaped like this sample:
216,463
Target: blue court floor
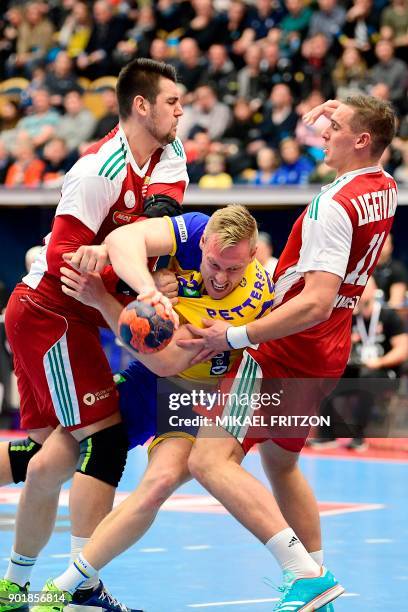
196,557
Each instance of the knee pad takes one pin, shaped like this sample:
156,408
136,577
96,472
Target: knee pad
20,453
103,454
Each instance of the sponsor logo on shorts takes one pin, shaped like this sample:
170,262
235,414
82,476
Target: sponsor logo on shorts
90,399
122,218
129,199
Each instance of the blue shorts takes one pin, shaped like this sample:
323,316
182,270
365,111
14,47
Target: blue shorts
138,403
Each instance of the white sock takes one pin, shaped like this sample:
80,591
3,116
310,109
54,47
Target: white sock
317,556
77,572
77,546
19,568
291,555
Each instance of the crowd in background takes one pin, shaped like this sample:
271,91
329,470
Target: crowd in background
248,70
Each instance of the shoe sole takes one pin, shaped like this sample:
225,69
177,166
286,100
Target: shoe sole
323,599
78,608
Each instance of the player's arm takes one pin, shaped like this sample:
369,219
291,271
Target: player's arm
397,294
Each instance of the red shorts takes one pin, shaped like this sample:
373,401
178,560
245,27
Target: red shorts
277,403
62,372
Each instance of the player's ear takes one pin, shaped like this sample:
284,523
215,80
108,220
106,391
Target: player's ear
363,140
202,242
140,105
252,254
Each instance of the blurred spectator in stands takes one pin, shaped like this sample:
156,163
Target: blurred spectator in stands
394,23
239,137
235,34
190,65
322,174
328,20
5,162
309,136
39,125
401,172
264,252
4,296
295,168
172,17
107,30
350,73
215,176
267,161
391,71
294,26
27,168
207,112
279,116
60,78
159,50
198,149
76,29
276,68
10,114
110,118
379,348
57,163
265,15
206,25
138,39
391,276
381,91
360,28
77,124
9,26
253,83
317,66
34,40
220,74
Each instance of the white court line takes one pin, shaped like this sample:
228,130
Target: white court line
60,555
378,541
152,550
198,547
359,508
240,602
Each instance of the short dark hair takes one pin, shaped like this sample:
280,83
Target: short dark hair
376,117
141,77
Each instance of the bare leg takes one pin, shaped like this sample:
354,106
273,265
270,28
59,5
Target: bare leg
47,470
127,523
215,462
293,493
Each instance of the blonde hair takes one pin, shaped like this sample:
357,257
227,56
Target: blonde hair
374,116
232,224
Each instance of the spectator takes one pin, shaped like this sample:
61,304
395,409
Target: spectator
266,14
379,348
76,29
138,39
206,26
391,276
294,26
401,172
391,71
280,121
360,28
60,78
267,162
253,83
394,23
235,34
317,66
322,174
10,114
57,162
295,168
5,162
309,136
172,17
110,118
191,64
206,112
276,68
107,30
220,74
215,176
9,27
35,38
328,20
198,149
380,91
27,169
264,252
350,73
159,50
78,123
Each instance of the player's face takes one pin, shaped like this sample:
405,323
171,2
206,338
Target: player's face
223,270
339,139
165,113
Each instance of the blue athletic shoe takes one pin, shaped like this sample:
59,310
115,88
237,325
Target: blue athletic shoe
308,594
99,597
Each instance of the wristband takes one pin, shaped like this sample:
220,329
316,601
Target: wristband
237,337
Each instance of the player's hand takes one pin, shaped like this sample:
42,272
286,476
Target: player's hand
166,282
208,341
87,288
326,109
152,296
373,364
88,258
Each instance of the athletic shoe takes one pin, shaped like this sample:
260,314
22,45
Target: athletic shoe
52,599
357,444
13,596
99,597
307,594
